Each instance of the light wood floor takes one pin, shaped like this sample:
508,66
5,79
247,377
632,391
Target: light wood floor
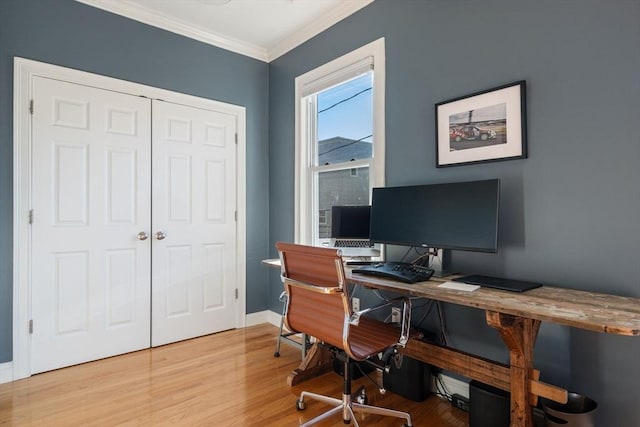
226,379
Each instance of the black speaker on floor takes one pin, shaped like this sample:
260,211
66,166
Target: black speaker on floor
490,406
408,377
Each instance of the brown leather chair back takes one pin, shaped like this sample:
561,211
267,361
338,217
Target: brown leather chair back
317,303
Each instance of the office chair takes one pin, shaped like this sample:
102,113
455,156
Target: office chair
318,305
303,344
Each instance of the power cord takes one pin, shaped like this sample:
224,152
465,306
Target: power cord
429,305
441,390
407,253
442,325
366,374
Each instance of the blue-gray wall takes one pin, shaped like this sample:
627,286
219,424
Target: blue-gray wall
67,33
570,212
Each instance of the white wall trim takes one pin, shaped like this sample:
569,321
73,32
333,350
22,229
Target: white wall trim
260,317
257,318
6,372
452,385
162,21
142,14
24,71
274,318
336,15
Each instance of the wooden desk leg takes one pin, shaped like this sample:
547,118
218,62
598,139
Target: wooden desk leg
315,363
519,335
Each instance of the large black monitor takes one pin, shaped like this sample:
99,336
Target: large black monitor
461,215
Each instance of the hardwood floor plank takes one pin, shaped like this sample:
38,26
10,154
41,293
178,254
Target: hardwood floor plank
226,379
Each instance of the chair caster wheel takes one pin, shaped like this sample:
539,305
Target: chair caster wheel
300,405
360,396
276,354
362,399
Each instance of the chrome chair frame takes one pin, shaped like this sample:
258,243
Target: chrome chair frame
314,279
303,344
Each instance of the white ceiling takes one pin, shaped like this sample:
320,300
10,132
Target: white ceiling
261,29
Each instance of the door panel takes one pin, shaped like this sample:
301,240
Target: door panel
91,196
194,200
92,266
71,292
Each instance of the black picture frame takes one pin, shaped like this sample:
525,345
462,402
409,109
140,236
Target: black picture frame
486,126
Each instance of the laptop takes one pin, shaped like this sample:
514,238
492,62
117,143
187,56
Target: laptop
350,231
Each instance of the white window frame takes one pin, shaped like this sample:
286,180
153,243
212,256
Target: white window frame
318,79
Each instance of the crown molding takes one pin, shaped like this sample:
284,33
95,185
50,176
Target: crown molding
325,21
160,20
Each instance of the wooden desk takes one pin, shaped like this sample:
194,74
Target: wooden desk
517,317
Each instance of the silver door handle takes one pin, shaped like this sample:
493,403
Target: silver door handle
160,235
142,236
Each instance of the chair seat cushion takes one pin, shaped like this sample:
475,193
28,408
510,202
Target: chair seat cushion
373,336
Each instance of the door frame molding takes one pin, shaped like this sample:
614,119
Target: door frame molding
24,72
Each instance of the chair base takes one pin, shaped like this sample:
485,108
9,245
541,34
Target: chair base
348,408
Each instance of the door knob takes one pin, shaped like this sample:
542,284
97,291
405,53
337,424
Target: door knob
160,235
142,235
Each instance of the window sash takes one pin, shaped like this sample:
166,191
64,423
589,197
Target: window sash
338,77
338,71
315,201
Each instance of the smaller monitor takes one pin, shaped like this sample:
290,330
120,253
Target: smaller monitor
350,222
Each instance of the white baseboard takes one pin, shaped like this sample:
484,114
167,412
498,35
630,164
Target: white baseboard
452,385
274,318
257,318
6,372
266,316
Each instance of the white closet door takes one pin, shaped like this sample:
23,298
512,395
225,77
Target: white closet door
194,228
90,273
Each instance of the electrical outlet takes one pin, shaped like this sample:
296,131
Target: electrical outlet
396,315
460,402
355,304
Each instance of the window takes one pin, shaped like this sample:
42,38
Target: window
322,218
339,138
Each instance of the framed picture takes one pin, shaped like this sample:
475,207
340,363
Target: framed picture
482,127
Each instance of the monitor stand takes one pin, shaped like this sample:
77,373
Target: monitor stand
438,263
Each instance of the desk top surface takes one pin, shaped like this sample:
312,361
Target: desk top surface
580,309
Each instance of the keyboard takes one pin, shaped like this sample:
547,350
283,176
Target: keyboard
342,243
497,283
400,271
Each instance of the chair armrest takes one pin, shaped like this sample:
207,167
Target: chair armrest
405,323
313,288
